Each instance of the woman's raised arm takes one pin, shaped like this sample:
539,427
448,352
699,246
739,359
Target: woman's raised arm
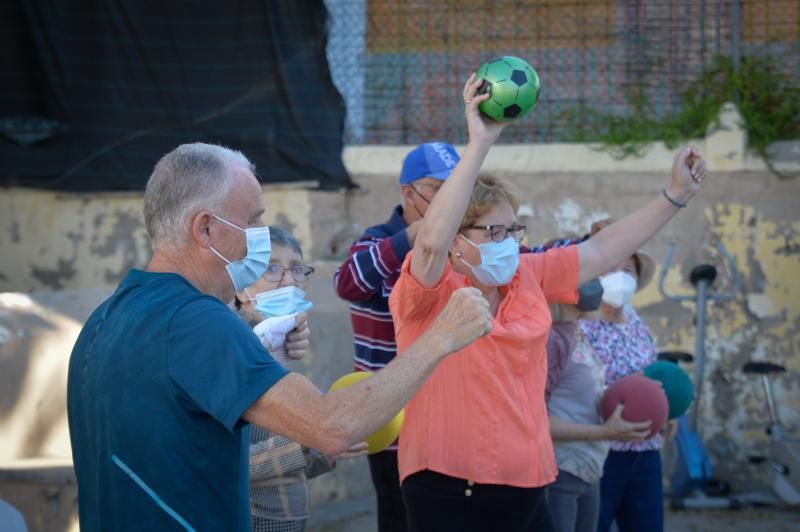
444,215
623,238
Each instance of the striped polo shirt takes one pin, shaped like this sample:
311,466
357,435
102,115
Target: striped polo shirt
366,280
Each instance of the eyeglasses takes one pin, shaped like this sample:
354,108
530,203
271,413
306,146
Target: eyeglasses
500,232
299,272
426,200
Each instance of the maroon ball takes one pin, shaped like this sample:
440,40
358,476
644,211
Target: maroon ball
643,399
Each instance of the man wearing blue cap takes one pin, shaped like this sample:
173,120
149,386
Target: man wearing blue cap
366,279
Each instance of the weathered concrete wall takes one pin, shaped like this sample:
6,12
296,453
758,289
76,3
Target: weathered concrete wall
54,241
68,251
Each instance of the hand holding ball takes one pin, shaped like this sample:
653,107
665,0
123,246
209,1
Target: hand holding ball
643,400
513,86
384,437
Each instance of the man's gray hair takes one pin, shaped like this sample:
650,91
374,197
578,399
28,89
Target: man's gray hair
189,178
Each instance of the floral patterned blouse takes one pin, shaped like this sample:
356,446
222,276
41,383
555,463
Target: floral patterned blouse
624,348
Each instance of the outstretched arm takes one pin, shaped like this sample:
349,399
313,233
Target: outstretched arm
334,421
623,238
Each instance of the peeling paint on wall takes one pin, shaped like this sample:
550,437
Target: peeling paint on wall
291,209
761,323
57,246
57,277
57,242
572,220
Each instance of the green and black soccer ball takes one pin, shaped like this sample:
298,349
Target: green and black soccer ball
513,86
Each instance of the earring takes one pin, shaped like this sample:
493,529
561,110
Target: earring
458,254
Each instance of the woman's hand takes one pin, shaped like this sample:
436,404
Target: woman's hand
481,128
297,341
688,172
670,430
617,429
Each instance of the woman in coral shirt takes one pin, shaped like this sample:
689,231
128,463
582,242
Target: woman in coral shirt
475,450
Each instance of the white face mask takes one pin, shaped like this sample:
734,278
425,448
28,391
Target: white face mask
618,288
499,261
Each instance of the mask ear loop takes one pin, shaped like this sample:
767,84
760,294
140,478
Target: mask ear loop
217,253
223,220
470,241
460,257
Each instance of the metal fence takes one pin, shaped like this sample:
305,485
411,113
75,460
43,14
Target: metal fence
400,64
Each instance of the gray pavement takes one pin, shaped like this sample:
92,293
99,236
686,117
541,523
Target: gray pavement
358,515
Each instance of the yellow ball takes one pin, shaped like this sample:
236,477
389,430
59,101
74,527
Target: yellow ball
384,437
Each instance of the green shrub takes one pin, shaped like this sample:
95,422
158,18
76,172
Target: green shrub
763,92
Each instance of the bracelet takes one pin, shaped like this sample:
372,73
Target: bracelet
678,205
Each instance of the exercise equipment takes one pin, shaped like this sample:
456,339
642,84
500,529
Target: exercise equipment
784,452
693,484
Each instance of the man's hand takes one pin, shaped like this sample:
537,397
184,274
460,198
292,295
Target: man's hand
617,429
297,341
464,319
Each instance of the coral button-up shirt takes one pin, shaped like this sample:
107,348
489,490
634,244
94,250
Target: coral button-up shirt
481,415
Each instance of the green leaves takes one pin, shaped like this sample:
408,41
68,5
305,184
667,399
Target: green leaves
764,93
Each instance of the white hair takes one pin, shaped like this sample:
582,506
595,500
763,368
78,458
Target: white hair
189,178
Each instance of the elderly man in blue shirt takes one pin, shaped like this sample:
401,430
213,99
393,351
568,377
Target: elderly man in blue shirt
165,379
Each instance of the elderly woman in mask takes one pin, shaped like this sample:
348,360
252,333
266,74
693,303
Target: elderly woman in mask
475,449
276,308
631,489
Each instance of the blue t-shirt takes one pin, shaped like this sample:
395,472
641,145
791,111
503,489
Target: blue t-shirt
158,381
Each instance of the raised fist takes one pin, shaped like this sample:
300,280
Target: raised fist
464,319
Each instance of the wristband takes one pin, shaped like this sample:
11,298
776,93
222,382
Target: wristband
666,196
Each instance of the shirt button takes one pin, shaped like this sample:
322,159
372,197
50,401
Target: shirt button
470,483
468,492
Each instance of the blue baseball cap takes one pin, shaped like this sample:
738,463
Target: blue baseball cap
432,159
